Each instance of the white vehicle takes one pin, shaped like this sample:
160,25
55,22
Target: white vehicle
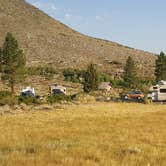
28,91
158,92
57,89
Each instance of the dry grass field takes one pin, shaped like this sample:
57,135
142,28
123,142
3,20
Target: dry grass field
104,134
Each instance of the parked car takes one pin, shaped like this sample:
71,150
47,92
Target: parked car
138,95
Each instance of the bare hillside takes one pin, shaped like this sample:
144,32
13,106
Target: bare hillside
47,41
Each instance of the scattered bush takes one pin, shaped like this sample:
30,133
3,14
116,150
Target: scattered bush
29,100
104,77
45,71
59,97
116,83
6,98
73,75
5,94
9,101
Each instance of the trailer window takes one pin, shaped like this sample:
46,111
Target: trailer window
162,90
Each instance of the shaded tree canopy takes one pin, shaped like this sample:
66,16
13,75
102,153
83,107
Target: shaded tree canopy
130,74
12,61
160,71
90,79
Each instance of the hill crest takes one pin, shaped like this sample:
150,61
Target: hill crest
47,41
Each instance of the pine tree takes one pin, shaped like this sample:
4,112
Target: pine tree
13,62
1,60
160,71
90,79
130,74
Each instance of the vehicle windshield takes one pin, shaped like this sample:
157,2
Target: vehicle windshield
138,92
135,92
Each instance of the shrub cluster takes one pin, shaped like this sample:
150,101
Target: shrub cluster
73,75
107,78
44,71
59,97
29,100
6,98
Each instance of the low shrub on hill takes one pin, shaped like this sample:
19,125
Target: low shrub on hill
4,94
6,98
44,71
59,97
73,75
116,83
29,100
104,77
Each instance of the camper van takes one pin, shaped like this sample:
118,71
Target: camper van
57,89
28,92
157,93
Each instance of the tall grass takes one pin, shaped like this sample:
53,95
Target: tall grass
96,134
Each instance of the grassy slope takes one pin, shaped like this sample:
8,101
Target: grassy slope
98,134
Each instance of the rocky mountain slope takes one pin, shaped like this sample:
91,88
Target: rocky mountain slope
47,41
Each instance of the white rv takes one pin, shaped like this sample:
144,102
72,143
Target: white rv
28,91
57,89
158,92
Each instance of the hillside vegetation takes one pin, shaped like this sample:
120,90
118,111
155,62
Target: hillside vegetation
93,135
47,41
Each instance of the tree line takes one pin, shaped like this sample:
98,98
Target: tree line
131,80
13,66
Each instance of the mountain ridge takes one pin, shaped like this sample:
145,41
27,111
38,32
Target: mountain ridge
48,41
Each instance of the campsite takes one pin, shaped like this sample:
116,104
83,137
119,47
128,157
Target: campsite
74,117
52,121
82,83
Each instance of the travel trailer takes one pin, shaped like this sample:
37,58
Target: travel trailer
57,89
28,92
157,93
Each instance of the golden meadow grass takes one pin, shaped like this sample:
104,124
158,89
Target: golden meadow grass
111,134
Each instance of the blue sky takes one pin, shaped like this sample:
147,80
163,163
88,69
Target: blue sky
136,23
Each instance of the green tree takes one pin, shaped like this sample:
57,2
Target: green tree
130,74
1,60
13,62
160,71
90,79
